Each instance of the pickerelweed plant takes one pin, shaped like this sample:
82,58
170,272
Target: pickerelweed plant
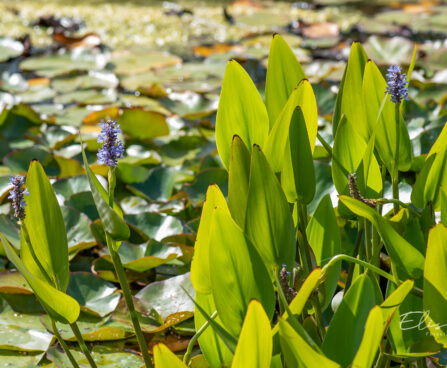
112,217
266,272
43,260
349,282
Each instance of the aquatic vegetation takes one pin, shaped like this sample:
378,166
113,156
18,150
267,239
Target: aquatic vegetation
314,234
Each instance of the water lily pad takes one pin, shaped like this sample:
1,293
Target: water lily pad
105,356
62,63
158,185
143,124
21,332
18,359
396,50
95,296
88,97
93,329
155,225
141,59
93,79
78,230
197,190
10,48
19,160
167,297
12,282
144,257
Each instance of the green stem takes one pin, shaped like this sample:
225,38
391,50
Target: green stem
304,245
382,201
368,240
345,257
325,144
302,211
187,356
63,343
116,260
351,268
395,174
77,333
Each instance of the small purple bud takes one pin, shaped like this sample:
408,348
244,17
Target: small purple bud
396,84
16,195
112,148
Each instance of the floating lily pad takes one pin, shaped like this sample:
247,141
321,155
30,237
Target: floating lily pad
62,63
143,124
93,79
93,329
18,359
167,297
394,50
105,356
155,225
158,184
141,59
197,190
22,332
10,48
12,282
95,296
144,257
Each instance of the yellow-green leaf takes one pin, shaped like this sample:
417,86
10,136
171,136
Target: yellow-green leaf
370,341
254,347
46,228
435,281
230,258
297,352
268,223
238,177
165,358
284,72
349,99
402,253
241,112
200,267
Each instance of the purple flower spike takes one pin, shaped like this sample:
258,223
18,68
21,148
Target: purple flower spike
113,148
397,84
16,195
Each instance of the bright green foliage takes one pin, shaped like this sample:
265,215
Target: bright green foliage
349,321
238,177
349,99
46,229
276,145
241,112
233,287
200,264
297,352
324,238
380,112
213,347
284,72
405,256
268,224
298,177
353,154
254,347
433,175
164,358
370,341
435,277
